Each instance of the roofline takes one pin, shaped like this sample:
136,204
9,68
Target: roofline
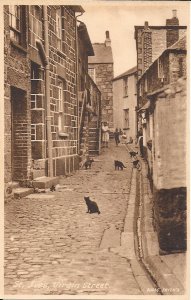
162,27
77,8
121,76
158,27
101,63
83,30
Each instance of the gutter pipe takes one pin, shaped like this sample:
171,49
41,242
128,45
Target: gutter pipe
45,52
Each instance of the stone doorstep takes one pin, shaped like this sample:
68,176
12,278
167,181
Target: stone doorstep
22,192
45,182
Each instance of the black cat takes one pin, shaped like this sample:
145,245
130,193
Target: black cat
53,188
92,206
88,163
133,153
118,165
136,164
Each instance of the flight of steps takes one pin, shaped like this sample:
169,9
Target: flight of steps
93,137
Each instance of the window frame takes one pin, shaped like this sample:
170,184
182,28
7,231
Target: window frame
15,32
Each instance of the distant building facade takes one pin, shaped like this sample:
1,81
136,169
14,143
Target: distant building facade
151,41
101,70
162,101
42,86
125,102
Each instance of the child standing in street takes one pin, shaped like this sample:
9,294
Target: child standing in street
116,135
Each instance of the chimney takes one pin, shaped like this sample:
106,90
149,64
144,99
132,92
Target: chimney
107,40
174,13
172,34
146,25
174,20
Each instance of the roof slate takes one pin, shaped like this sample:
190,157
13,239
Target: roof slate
103,54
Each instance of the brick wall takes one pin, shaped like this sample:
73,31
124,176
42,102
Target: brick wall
63,99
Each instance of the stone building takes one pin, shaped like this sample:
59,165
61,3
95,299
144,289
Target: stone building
89,98
151,41
101,71
125,102
41,91
162,87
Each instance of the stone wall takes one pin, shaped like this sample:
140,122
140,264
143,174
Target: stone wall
17,145
170,165
121,103
24,70
104,76
160,39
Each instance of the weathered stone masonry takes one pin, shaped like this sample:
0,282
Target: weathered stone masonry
17,115
26,116
101,70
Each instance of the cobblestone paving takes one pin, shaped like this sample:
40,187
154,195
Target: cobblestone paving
52,245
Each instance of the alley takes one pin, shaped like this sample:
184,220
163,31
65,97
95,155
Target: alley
52,246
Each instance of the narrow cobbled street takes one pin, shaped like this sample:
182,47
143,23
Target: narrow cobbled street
52,246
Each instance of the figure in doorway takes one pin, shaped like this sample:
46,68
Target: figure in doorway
105,134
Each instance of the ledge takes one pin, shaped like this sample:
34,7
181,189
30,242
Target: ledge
63,135
16,45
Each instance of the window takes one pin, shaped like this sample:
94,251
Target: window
35,24
15,22
59,28
160,69
91,72
60,106
126,119
125,87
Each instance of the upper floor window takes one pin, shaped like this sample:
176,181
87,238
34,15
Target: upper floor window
59,28
125,87
15,22
35,24
91,72
160,69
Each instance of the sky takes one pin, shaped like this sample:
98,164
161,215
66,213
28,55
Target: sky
120,17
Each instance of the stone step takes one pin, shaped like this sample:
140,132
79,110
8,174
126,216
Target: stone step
22,192
45,182
93,152
93,147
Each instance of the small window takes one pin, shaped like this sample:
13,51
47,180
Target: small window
160,69
125,87
15,22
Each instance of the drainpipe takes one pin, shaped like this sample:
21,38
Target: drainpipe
77,86
47,93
